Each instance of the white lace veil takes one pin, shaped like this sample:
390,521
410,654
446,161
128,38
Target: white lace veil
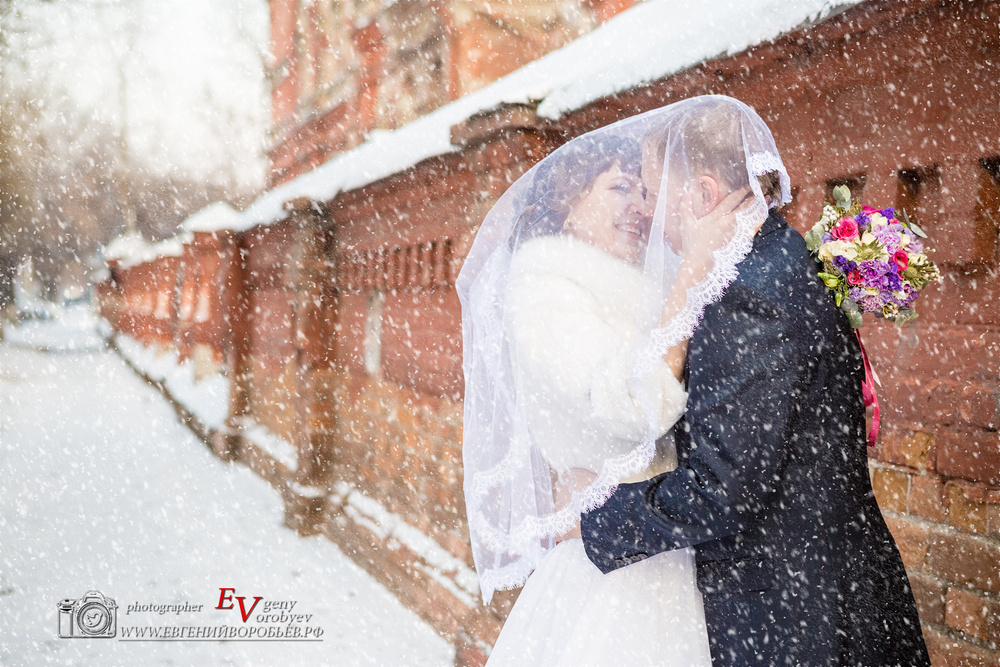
590,313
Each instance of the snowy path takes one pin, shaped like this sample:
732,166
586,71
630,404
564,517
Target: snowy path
101,489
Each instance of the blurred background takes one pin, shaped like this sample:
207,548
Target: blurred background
122,116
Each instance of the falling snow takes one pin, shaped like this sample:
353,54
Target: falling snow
104,490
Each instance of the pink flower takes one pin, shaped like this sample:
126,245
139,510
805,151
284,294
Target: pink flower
901,259
854,278
845,230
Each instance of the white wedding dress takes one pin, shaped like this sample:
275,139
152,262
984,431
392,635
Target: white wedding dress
572,312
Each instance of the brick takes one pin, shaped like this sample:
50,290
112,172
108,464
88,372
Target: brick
964,559
929,594
992,631
468,654
980,407
906,403
968,613
912,540
952,351
972,454
891,488
993,520
962,512
944,400
915,449
947,651
926,497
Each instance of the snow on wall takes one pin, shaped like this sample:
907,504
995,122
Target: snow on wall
648,42
217,215
274,445
207,399
133,249
450,572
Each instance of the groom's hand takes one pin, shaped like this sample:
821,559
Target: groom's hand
704,234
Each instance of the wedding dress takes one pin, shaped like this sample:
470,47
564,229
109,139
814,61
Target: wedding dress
569,613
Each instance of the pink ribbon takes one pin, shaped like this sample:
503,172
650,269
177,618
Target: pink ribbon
868,392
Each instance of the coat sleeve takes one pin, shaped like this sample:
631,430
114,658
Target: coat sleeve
747,367
570,357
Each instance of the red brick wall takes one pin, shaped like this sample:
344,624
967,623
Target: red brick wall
142,300
270,375
398,61
204,302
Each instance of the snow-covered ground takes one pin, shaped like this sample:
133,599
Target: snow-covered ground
101,489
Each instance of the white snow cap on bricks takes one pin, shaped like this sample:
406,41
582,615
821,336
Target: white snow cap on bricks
215,216
133,249
645,43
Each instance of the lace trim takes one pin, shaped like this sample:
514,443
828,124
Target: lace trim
532,529
505,578
722,274
759,164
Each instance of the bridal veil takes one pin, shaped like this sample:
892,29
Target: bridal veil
513,475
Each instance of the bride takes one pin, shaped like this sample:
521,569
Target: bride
578,297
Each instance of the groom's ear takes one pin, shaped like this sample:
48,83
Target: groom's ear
707,195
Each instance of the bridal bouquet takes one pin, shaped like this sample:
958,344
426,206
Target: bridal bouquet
872,262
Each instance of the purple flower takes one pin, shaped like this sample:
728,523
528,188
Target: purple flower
842,263
856,294
872,303
863,221
874,273
827,237
889,213
889,238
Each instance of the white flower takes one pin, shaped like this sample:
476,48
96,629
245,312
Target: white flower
832,249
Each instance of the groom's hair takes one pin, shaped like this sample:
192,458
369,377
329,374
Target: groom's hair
711,136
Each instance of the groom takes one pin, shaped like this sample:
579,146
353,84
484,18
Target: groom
794,561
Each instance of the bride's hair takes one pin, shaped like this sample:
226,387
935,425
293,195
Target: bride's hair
712,136
567,175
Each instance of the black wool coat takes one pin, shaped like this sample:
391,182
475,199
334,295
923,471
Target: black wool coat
794,561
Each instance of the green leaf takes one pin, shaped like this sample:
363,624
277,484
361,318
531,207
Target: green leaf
912,226
813,240
905,315
849,306
855,319
842,195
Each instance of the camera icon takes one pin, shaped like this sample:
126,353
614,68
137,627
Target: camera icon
93,615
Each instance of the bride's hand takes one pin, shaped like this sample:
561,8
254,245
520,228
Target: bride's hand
562,494
703,236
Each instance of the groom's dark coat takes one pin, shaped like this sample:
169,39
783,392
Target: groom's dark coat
794,561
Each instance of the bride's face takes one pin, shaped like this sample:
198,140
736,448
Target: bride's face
609,215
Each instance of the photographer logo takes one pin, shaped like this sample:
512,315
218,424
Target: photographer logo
93,615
